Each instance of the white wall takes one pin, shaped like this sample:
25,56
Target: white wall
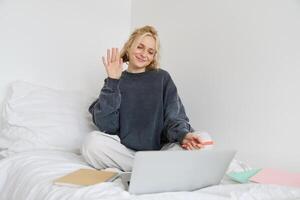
235,63
59,43
237,67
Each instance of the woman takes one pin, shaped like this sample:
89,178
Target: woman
138,109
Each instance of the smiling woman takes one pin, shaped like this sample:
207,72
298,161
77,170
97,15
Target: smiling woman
138,109
142,50
141,54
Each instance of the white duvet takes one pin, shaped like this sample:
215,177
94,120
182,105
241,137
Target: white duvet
29,176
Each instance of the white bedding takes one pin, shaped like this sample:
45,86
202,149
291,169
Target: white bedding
29,175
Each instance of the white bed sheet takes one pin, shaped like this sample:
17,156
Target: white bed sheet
29,176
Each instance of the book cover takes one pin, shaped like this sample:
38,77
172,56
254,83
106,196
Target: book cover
86,177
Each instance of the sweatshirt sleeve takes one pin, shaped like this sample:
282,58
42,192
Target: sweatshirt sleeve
105,110
176,123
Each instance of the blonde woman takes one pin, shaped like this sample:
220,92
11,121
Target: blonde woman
138,109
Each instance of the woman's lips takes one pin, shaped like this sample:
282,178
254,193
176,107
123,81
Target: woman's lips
140,60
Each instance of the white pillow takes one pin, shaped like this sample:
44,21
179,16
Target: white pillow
37,117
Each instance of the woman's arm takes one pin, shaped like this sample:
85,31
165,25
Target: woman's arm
105,110
176,123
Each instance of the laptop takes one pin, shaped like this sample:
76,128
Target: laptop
171,171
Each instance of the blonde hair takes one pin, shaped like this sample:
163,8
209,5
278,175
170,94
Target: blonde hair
142,32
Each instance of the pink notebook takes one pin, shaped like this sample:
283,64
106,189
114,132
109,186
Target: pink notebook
274,176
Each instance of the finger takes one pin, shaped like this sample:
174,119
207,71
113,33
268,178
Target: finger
119,58
103,60
199,146
208,142
190,146
121,62
113,56
117,54
187,147
183,146
197,139
195,145
108,56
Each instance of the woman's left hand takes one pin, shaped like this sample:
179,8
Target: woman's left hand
192,141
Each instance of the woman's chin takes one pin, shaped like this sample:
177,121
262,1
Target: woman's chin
141,65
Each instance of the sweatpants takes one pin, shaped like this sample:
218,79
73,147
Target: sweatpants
103,151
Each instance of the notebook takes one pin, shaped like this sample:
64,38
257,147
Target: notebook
86,177
279,177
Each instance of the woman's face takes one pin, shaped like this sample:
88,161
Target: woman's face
142,52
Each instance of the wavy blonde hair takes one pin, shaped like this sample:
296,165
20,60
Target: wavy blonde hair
142,32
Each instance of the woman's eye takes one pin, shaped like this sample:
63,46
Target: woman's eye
151,53
139,47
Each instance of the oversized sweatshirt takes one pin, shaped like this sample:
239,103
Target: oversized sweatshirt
143,109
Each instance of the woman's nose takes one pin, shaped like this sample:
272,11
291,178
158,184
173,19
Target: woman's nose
143,54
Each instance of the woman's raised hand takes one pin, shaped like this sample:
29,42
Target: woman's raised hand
113,63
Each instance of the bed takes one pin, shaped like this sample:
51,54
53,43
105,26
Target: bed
40,141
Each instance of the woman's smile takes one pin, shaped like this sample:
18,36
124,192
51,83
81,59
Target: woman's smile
140,59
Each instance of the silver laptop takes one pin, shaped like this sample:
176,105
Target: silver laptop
170,171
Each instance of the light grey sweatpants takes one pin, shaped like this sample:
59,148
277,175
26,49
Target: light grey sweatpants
102,151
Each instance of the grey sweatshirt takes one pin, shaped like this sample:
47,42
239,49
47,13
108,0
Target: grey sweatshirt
143,109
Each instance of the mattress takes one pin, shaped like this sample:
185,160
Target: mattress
29,176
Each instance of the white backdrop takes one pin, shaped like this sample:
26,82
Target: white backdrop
59,43
237,67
